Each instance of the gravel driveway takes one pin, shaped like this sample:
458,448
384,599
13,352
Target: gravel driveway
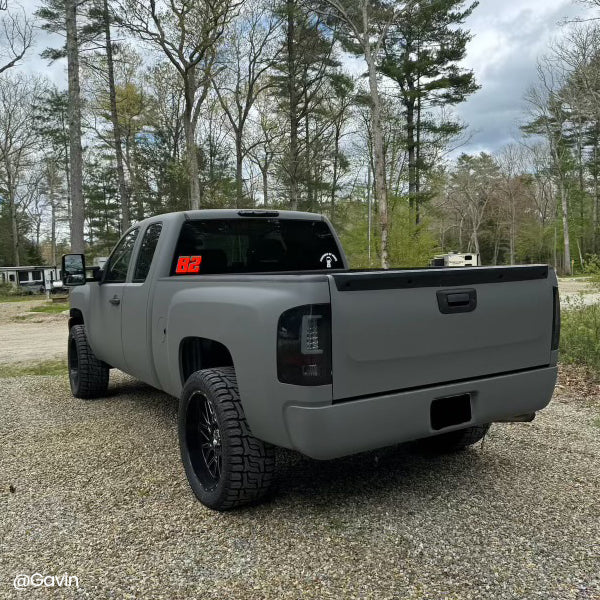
31,337
99,493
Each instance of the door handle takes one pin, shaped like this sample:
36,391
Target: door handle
456,301
115,301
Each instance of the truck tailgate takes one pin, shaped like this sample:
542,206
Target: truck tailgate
395,330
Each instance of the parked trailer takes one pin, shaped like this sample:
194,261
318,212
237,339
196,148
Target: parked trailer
456,259
32,279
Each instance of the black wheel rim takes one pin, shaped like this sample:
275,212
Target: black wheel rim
73,361
203,440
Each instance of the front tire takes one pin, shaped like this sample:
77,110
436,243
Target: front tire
225,464
455,441
88,375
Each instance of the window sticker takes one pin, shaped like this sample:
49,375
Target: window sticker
329,259
188,264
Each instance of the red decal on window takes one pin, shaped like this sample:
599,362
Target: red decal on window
188,264
194,266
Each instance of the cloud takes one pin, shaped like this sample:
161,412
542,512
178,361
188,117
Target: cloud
508,39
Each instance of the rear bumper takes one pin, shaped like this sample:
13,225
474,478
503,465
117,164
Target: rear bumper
327,432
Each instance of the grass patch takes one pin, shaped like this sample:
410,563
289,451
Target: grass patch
48,367
17,298
52,309
580,336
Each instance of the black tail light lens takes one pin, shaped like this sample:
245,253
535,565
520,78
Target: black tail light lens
304,345
555,319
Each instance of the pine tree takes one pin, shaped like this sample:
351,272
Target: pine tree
422,52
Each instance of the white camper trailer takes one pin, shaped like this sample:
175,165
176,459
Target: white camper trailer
32,279
456,259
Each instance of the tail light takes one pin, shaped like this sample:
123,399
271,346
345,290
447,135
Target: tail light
304,345
555,319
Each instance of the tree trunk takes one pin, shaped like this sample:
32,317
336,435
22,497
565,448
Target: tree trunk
265,182
418,161
53,228
513,233
378,153
565,221
114,116
412,163
293,106
14,227
475,239
239,163
191,154
335,168
75,153
189,129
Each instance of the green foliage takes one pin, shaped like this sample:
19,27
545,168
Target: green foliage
103,207
49,367
580,335
353,233
409,245
50,309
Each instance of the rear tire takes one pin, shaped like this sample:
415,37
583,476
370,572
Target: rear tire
88,375
225,464
455,441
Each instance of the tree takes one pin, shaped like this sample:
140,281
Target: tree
76,151
188,32
247,56
422,52
306,59
366,24
548,118
264,140
51,122
102,19
16,37
472,186
60,16
18,145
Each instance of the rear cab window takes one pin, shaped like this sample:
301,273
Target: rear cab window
213,246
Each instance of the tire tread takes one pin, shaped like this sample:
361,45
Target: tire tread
93,373
252,461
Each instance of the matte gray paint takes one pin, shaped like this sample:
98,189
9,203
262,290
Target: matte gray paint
333,431
382,340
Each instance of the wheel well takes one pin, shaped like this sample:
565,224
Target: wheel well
197,353
75,317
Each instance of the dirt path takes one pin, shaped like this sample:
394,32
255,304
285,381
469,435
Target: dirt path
577,290
30,337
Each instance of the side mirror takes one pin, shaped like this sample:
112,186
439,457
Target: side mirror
73,269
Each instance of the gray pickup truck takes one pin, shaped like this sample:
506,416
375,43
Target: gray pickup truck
253,319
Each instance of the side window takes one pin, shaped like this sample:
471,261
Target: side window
146,252
118,263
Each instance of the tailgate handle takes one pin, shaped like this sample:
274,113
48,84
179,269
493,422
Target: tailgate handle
457,301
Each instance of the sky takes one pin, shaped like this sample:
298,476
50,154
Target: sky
508,38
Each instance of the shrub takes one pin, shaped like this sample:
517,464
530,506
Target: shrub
580,335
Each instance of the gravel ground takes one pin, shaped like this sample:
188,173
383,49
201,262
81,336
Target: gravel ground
96,490
27,336
577,291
